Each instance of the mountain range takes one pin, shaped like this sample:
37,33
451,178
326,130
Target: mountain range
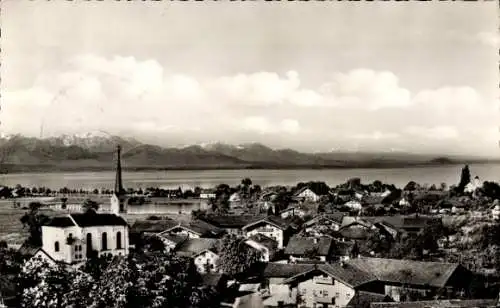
96,151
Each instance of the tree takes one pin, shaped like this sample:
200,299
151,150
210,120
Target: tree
246,182
411,186
89,205
464,179
443,186
34,221
236,256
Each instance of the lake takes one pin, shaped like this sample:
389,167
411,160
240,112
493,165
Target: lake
209,178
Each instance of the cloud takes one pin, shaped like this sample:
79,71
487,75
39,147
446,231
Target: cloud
438,132
361,106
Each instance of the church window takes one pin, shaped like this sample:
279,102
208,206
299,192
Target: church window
118,240
56,246
104,241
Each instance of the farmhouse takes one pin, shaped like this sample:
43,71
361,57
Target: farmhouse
204,252
195,229
272,227
265,245
307,194
306,248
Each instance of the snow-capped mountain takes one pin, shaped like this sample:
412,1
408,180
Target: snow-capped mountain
97,141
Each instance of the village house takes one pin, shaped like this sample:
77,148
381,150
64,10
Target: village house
292,211
265,245
232,224
495,210
323,224
171,241
152,227
354,205
442,303
203,251
308,194
208,194
72,238
272,227
331,285
473,186
195,229
424,278
309,248
355,229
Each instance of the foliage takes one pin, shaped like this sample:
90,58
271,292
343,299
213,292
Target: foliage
411,186
89,205
34,221
235,256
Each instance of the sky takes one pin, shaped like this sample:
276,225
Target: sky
316,76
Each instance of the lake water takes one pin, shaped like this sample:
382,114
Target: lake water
210,178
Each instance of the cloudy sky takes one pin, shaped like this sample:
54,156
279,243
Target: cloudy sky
316,76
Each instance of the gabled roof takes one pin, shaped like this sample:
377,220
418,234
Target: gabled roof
363,299
98,219
298,245
176,239
444,303
311,188
435,274
28,250
280,270
231,221
195,246
272,220
345,273
333,217
61,222
153,226
198,227
268,242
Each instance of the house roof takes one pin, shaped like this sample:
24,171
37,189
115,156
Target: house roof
298,245
28,250
345,273
280,270
212,279
173,238
199,227
231,221
363,299
397,221
311,188
98,219
349,232
343,248
268,242
272,220
434,274
195,246
153,226
61,222
445,303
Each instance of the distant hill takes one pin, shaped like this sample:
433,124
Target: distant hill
96,152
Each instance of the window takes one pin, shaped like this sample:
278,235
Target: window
118,240
89,244
56,246
337,294
104,241
348,295
325,293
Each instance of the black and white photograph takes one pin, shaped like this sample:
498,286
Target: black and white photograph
249,154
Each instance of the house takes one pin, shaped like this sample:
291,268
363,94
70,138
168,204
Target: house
204,252
344,251
357,229
331,285
354,205
74,237
304,248
273,227
292,211
195,229
171,241
424,278
152,227
322,223
363,299
403,202
208,194
235,198
442,303
307,194
473,185
232,224
495,210
265,245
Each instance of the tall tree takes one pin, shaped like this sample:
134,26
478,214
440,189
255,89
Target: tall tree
236,256
464,178
34,220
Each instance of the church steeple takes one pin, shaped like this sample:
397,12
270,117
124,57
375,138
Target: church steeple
118,180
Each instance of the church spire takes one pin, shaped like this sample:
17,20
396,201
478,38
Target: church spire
118,180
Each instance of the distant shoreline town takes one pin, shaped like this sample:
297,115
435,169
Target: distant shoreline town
354,245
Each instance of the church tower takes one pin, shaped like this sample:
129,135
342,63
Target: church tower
118,199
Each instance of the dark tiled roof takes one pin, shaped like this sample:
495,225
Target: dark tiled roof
61,222
273,220
264,240
28,250
231,221
174,238
212,279
153,226
343,248
300,245
279,270
354,232
363,299
434,274
194,246
445,303
98,219
345,273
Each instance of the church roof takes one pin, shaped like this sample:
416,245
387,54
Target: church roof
98,219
